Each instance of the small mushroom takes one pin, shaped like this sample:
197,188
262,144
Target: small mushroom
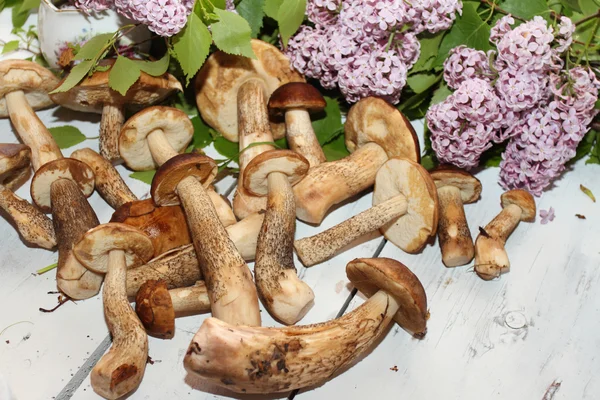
271,360
491,259
297,100
157,306
94,94
112,248
35,227
405,210
375,132
182,180
455,188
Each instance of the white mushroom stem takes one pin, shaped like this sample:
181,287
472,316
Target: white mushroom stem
286,297
320,247
190,300
31,130
121,369
456,242
271,360
110,128
301,136
491,259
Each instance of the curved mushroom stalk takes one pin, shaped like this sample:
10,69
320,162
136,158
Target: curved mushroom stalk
271,360
111,122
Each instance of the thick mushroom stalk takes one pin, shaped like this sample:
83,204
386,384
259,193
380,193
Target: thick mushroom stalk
112,248
270,360
111,122
405,209
491,259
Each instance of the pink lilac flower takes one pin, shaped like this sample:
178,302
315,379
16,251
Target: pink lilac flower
464,63
564,37
547,216
164,17
521,89
323,12
433,15
501,28
576,89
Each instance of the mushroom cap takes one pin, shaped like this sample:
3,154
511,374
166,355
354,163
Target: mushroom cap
15,164
370,275
449,175
164,184
374,120
154,307
523,199
94,92
63,168
31,78
400,176
133,145
93,248
222,75
296,95
287,162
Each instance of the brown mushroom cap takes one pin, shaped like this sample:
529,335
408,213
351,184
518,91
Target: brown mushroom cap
93,248
133,145
374,120
64,168
449,175
15,164
31,78
400,176
164,184
222,75
154,307
370,275
296,95
287,162
91,94
524,200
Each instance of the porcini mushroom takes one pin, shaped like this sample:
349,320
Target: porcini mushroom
455,188
270,360
491,259
60,184
34,227
296,100
405,209
375,132
112,248
157,306
182,180
94,94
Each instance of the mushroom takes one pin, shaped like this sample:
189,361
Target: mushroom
109,183
455,188
405,209
491,259
270,360
156,134
297,100
60,185
94,94
232,292
112,248
375,132
35,227
157,306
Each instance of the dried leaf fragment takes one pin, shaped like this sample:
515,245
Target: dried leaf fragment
588,192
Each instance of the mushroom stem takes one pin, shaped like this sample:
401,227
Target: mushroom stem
121,369
301,136
31,130
456,242
190,300
270,360
320,247
491,259
161,149
285,296
110,127
333,182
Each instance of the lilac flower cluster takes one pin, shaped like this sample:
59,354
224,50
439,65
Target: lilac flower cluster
523,94
366,47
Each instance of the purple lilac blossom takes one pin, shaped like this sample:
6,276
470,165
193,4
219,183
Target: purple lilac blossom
547,216
464,63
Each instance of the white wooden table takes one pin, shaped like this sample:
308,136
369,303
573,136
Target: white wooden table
533,334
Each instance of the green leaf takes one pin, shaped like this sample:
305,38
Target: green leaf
282,143
93,48
232,34
272,7
572,4
493,156
202,136
588,7
29,4
19,17
144,176
329,125
428,162
527,9
429,52
10,46
588,192
226,148
154,68
46,269
123,75
336,149
67,136
440,94
585,147
290,17
252,11
419,83
75,76
191,46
